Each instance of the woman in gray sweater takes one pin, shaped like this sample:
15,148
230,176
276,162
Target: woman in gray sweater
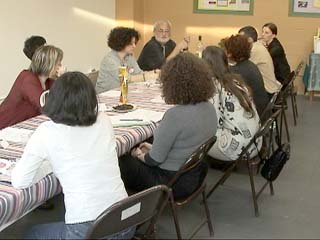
185,82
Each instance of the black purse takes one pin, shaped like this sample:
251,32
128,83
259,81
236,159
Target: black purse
273,165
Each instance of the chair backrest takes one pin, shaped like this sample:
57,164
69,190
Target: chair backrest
132,211
263,131
299,67
268,109
287,84
194,160
93,75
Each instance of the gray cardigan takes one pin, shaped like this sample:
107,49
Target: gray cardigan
182,129
109,71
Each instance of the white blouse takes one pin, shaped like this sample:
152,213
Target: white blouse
84,159
236,127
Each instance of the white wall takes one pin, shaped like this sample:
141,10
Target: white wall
78,27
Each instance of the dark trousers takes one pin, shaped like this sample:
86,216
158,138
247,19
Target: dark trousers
138,176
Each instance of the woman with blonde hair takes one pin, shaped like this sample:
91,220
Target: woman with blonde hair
23,100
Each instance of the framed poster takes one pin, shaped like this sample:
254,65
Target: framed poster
304,8
244,7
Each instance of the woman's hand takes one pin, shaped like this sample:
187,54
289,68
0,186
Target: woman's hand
145,147
137,153
151,75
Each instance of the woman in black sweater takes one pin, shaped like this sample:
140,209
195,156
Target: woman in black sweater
280,62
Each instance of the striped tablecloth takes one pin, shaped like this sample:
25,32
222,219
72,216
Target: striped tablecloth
16,203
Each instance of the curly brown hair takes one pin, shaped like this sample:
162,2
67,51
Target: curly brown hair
238,47
186,79
120,37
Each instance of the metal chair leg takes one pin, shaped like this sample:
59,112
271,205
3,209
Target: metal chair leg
226,174
293,109
286,126
295,105
210,226
281,125
175,217
271,188
253,190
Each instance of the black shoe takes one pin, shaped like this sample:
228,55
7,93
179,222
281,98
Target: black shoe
46,206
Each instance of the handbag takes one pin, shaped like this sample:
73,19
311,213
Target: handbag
273,165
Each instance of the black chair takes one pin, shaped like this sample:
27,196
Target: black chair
264,131
281,103
267,112
293,93
194,161
132,211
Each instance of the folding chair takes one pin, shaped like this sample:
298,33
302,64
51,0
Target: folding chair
93,76
267,112
132,211
194,160
281,103
263,131
293,93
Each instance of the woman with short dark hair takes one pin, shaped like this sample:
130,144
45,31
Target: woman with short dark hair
186,83
79,147
72,101
276,50
238,120
122,42
31,44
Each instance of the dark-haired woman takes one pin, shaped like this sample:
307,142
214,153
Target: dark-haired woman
80,147
185,82
276,50
238,120
122,42
238,50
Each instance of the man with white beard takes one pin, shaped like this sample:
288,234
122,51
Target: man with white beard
160,47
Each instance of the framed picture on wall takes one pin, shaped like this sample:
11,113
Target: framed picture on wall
305,8
244,7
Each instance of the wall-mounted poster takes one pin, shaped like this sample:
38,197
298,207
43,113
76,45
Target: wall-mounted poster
305,8
223,6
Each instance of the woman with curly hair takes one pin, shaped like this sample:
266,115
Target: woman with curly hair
186,83
122,42
238,50
238,120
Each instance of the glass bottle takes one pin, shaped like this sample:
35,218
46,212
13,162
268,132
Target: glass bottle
123,79
200,47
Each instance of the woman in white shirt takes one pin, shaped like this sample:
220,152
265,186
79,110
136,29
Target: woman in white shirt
80,147
238,120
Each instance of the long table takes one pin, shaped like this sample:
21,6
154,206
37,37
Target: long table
15,203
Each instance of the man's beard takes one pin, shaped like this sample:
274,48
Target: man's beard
162,40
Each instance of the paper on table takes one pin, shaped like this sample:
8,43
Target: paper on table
15,134
111,93
6,166
158,99
103,108
143,116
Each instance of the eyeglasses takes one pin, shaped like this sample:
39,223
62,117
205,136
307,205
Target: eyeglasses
163,31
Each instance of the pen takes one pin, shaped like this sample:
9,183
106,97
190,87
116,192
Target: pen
131,119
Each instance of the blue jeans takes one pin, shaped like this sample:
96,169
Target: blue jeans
60,230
